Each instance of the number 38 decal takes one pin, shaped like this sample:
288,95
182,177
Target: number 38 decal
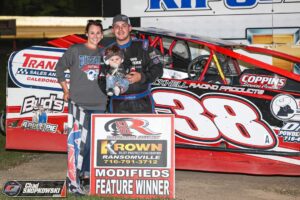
214,116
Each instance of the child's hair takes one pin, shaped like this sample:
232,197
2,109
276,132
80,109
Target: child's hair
113,50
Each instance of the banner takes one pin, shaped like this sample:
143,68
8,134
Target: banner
133,156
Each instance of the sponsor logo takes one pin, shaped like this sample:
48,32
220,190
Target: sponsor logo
36,61
39,126
35,188
170,83
12,188
35,68
132,153
186,5
128,127
290,132
135,61
262,81
112,147
35,104
283,107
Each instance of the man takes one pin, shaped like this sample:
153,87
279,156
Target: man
145,68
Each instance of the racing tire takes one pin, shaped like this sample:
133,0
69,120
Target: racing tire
2,122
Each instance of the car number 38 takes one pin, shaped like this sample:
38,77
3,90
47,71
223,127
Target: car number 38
214,117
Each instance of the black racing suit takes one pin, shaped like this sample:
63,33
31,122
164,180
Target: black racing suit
142,58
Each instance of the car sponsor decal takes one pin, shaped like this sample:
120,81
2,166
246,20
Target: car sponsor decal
34,104
206,5
207,86
290,132
35,68
285,107
263,81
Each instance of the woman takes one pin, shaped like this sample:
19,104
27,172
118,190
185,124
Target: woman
83,61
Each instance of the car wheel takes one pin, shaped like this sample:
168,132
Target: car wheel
2,122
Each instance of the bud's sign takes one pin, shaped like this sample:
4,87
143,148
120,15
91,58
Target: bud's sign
35,68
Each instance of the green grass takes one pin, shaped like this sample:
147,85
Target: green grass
10,159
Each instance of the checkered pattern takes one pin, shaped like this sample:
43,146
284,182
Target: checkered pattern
80,126
22,71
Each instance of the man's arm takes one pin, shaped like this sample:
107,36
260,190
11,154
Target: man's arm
154,68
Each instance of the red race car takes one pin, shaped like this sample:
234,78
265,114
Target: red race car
234,110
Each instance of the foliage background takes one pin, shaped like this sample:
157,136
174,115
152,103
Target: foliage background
51,8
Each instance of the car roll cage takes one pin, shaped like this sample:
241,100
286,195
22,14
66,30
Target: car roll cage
156,39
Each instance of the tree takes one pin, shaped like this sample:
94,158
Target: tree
50,8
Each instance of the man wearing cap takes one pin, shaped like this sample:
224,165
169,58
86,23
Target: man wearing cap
145,68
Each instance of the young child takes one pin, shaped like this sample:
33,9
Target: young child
116,83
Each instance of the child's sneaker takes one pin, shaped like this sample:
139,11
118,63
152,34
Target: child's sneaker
117,90
110,92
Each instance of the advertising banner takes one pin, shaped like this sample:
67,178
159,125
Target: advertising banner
133,156
36,188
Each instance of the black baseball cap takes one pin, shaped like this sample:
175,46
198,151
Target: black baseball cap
121,18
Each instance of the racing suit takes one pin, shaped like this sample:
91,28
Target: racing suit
142,58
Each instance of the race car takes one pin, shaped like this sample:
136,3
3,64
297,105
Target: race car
233,111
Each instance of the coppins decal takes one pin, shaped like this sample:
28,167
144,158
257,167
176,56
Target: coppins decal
35,68
129,127
214,117
284,107
263,81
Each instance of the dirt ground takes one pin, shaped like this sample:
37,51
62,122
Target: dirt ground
189,184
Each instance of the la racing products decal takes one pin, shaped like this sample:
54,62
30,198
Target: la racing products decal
215,117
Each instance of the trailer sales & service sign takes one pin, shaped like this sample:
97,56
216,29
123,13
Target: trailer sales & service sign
133,156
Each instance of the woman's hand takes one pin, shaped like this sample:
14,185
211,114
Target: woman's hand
66,96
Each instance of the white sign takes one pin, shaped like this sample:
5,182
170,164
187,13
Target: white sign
133,156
